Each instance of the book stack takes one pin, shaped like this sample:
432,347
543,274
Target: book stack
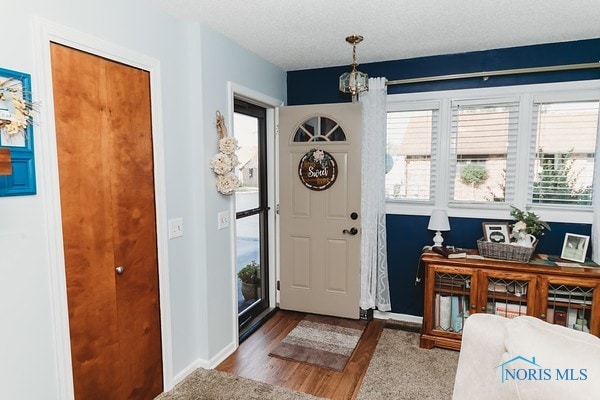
455,252
450,312
509,310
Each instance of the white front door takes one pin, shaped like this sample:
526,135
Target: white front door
319,167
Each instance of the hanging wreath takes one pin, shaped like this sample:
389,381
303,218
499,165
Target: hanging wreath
16,113
317,169
225,160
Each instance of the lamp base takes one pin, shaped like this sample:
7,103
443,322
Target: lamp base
438,239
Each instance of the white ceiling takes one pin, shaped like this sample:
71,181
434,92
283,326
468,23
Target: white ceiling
305,34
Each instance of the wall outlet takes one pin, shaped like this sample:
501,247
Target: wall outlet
223,220
175,228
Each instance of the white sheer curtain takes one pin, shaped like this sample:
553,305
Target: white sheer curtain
596,201
374,284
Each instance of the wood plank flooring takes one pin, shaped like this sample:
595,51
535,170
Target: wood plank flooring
252,361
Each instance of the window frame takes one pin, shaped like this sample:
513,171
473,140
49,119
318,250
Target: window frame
422,106
526,95
553,99
511,164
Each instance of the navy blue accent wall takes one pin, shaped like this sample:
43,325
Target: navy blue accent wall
317,86
407,234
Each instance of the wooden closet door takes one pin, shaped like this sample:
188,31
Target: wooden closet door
104,144
132,182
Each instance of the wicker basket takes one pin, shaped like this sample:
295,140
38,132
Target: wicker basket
505,251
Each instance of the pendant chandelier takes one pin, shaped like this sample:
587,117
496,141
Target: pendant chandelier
354,81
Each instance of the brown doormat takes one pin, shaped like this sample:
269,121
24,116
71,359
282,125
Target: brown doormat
326,342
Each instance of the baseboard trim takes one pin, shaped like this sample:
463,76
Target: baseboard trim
206,364
188,370
398,317
222,355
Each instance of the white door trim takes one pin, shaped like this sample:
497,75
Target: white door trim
235,90
46,153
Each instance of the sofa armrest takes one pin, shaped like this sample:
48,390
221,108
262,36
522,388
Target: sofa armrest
481,352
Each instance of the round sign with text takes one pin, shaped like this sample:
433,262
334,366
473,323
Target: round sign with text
317,170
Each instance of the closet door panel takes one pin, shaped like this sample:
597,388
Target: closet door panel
132,179
84,169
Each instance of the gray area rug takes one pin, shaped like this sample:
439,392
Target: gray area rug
400,370
205,384
326,342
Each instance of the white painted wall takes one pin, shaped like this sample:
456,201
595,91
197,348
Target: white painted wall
196,64
222,62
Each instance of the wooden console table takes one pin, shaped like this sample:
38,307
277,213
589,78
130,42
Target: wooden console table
456,288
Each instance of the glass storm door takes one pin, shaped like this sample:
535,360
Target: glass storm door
249,127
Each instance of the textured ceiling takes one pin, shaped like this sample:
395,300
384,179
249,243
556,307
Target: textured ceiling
305,34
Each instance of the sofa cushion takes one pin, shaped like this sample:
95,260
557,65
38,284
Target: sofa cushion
545,361
481,351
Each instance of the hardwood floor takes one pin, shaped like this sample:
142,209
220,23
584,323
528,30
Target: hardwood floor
252,361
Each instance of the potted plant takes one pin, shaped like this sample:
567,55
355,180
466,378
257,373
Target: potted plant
527,227
250,277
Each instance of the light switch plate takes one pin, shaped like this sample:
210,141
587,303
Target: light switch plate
175,228
223,220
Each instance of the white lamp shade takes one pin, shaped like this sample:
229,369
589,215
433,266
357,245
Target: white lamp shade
439,221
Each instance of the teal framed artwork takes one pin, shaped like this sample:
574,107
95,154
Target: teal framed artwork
16,134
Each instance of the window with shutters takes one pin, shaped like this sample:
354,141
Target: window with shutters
482,151
477,152
410,155
564,137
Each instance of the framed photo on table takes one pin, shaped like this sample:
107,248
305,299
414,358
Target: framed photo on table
496,232
575,247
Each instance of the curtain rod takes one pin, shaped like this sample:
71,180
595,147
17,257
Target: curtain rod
486,75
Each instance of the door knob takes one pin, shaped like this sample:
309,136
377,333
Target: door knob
120,269
353,231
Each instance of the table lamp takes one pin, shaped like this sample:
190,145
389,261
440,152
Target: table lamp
438,222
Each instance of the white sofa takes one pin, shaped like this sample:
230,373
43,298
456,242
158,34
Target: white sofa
526,358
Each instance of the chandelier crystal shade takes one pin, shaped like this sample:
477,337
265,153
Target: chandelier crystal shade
354,81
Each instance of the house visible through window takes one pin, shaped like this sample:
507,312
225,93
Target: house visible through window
482,137
565,146
409,148
488,149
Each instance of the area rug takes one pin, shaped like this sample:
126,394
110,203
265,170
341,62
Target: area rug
400,370
326,342
205,384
